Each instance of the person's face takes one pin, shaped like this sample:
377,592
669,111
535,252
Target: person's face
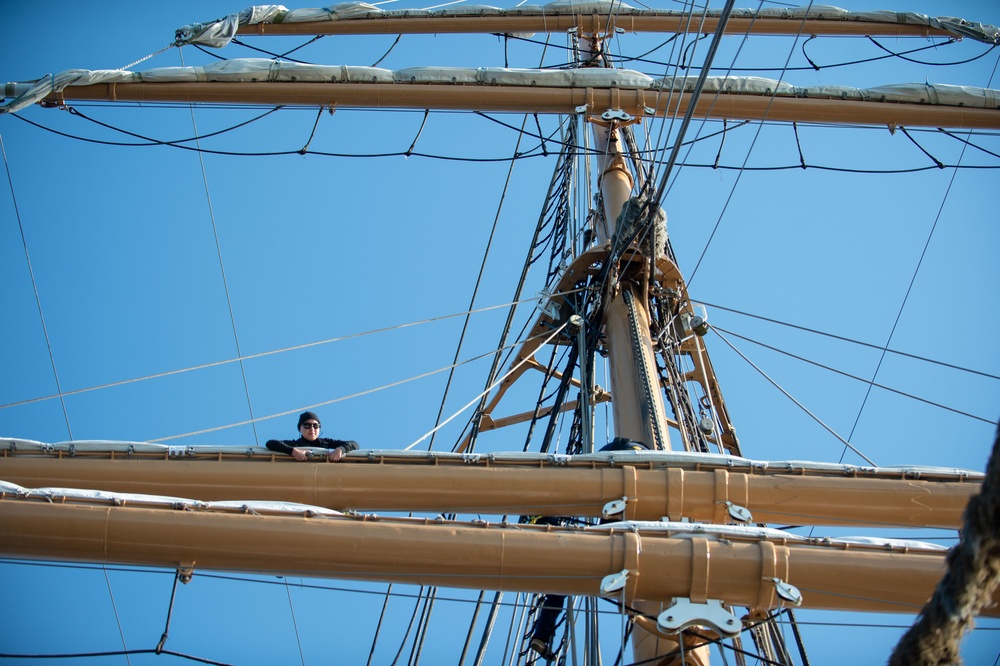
310,430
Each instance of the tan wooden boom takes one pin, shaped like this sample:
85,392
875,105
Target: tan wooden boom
594,23
735,570
797,498
524,99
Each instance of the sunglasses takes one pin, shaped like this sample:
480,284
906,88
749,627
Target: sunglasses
311,426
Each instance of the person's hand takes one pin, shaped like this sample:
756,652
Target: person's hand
299,454
335,455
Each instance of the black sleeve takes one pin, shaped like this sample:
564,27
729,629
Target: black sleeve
347,445
281,446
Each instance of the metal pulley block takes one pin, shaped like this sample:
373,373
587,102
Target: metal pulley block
613,583
614,507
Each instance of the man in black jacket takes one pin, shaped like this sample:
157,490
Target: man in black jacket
309,426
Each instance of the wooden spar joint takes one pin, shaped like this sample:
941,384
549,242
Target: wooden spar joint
701,556
675,494
773,576
630,489
721,496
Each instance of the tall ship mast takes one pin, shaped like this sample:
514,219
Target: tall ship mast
447,230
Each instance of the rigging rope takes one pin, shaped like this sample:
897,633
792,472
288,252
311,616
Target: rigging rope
537,152
34,287
870,382
487,390
916,270
342,398
799,404
118,620
249,357
222,268
739,175
295,624
478,283
852,341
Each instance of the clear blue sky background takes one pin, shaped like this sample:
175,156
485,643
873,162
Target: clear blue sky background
127,272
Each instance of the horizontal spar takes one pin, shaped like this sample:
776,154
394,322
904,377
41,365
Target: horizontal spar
659,567
544,100
649,494
591,23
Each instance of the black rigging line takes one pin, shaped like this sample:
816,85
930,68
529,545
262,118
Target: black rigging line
208,53
924,151
953,40
149,141
852,341
388,51
34,286
968,143
114,653
798,404
641,58
815,67
305,149
281,56
409,151
870,383
475,289
170,611
913,278
661,190
535,152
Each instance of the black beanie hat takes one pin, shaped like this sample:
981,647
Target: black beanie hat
305,416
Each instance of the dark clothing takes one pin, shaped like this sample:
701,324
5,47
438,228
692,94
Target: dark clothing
548,614
286,445
624,444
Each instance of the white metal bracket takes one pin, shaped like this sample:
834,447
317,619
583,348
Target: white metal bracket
613,583
545,305
787,591
686,613
616,114
740,513
614,507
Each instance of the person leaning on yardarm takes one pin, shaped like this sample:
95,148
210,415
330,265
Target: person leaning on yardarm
309,428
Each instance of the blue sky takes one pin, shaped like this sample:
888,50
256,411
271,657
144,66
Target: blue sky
125,245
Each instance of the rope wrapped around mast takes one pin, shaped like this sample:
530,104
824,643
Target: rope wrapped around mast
973,573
